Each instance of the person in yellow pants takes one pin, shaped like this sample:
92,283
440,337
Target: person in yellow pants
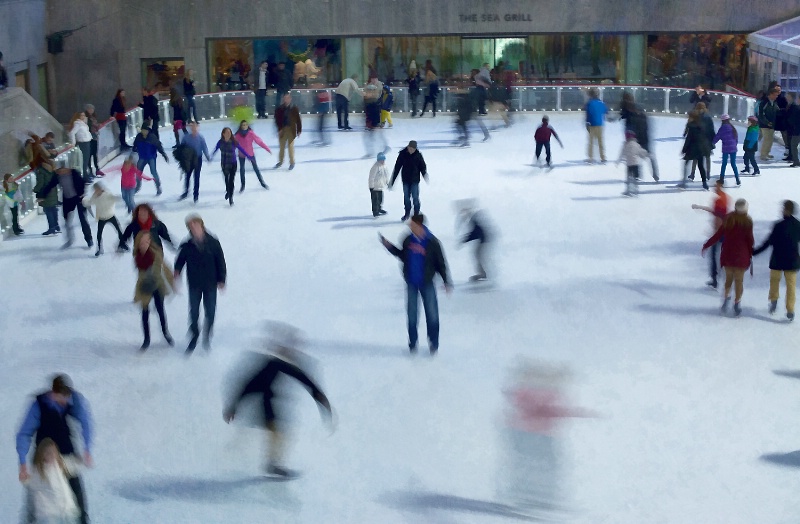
287,119
387,101
785,258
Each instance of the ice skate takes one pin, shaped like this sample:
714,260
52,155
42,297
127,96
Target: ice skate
773,305
737,309
790,315
725,304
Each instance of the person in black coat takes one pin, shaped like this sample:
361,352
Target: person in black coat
785,258
205,273
72,190
263,383
699,95
144,218
412,165
149,107
283,83
422,257
696,147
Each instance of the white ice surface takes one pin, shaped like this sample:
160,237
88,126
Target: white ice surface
687,401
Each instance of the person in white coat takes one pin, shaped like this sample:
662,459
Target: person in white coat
49,492
632,153
104,203
81,135
378,181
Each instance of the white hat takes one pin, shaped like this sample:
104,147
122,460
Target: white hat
741,206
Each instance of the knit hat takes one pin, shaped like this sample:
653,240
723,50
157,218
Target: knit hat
629,134
413,144
88,107
725,117
381,156
545,118
752,118
741,206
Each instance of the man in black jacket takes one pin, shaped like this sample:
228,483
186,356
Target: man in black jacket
422,258
413,166
149,107
785,258
72,189
206,272
283,83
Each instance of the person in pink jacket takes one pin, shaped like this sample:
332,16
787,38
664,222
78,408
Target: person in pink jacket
245,138
129,176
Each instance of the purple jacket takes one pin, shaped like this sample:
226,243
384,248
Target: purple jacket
730,138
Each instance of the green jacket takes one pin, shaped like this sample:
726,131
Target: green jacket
43,178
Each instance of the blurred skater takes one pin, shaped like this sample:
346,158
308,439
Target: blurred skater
264,383
104,203
72,190
631,152
52,500
542,138
49,417
736,234
422,257
785,259
323,108
719,209
473,220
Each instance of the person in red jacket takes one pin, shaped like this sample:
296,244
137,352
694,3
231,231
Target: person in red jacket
736,233
542,138
720,211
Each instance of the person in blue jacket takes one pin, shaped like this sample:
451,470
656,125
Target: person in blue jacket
422,257
47,417
197,143
595,118
147,146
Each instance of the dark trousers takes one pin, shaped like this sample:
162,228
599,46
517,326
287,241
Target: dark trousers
255,168
74,204
101,224
546,146
52,218
15,220
750,158
195,172
794,141
158,300
431,306
86,153
480,258
93,154
261,102
229,172
632,181
712,261
209,298
77,488
411,192
463,132
432,101
413,99
191,109
481,100
342,111
700,166
123,126
321,127
376,196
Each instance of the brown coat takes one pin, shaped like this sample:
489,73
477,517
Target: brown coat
165,282
295,125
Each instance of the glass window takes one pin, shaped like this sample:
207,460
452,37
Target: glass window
711,60
42,98
161,73
312,62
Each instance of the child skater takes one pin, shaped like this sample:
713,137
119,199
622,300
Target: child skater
378,181
474,224
228,146
178,120
104,212
387,101
13,197
542,137
730,139
632,152
130,178
750,146
49,492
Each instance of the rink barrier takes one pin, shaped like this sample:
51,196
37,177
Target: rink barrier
550,98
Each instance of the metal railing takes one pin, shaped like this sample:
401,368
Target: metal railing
220,105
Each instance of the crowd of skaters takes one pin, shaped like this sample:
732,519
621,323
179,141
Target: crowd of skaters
421,253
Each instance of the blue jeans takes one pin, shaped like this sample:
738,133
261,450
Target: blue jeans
152,164
411,191
52,218
431,306
725,160
127,197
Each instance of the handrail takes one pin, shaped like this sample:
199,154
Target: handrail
524,98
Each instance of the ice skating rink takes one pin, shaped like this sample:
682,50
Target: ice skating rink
697,417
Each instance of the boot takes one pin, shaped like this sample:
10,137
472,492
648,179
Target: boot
737,309
725,304
773,305
146,329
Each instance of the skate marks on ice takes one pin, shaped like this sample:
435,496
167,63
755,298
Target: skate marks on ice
787,460
347,222
156,488
788,373
428,502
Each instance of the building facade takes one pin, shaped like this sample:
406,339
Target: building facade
128,44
